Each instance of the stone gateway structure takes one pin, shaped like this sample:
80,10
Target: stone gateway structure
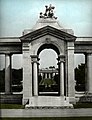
47,33
46,36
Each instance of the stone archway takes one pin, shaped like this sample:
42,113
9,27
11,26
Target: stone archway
47,33
63,43
35,63
51,46
49,78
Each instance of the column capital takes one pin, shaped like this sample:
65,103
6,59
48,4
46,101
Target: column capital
88,53
61,58
34,58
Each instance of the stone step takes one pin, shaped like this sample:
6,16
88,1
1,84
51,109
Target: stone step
48,101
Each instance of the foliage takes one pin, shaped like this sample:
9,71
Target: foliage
47,82
16,76
2,80
83,105
52,67
11,106
16,80
80,77
48,85
39,79
56,78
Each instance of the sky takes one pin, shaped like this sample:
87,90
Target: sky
17,15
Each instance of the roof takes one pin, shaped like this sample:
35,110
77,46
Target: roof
47,30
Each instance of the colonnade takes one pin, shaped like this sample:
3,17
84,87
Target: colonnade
8,75
48,74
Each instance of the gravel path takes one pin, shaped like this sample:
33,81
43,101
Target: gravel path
46,112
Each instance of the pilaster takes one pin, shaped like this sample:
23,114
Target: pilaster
70,69
27,73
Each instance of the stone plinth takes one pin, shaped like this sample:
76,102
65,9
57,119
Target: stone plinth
48,101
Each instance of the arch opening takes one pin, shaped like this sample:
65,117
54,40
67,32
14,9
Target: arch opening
48,75
48,46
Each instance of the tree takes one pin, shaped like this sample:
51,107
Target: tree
80,77
2,80
16,76
16,80
51,67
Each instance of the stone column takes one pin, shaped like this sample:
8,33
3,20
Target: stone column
42,75
35,74
70,71
88,72
49,76
8,74
45,75
61,74
52,75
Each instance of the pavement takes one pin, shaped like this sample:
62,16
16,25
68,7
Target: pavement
46,112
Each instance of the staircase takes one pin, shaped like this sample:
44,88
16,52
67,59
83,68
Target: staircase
49,101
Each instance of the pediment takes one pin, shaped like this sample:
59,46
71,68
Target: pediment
47,30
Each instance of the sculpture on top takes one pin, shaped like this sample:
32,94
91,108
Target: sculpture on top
48,12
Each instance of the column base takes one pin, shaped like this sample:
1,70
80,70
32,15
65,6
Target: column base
72,100
88,93
25,101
